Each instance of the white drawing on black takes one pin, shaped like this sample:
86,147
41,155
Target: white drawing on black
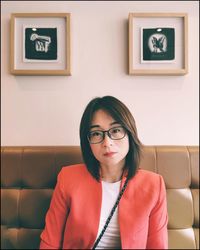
41,42
157,43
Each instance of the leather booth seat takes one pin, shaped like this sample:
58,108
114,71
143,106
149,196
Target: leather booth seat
28,177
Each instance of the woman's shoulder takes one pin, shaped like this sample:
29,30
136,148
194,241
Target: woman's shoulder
147,183
148,177
74,170
147,173
73,174
74,177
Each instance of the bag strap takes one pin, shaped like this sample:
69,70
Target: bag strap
111,214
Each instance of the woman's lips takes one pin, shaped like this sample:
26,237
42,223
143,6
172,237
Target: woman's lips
109,154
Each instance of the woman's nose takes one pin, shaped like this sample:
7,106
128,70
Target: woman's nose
107,140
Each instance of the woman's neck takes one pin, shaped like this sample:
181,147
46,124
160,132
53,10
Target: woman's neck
111,173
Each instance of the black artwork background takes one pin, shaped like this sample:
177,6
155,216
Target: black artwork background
30,51
148,55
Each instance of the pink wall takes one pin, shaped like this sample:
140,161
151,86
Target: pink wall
46,110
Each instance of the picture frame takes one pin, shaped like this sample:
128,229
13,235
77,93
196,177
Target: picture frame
40,44
158,43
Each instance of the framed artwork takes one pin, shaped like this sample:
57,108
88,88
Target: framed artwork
158,43
40,44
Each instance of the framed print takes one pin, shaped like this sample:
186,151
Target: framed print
40,44
158,43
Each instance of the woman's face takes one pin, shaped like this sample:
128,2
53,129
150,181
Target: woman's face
109,152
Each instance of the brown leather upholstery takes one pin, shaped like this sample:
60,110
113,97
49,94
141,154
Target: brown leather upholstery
29,176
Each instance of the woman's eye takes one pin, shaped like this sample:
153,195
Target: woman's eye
95,134
116,130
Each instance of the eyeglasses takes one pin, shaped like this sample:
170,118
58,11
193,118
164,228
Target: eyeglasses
97,136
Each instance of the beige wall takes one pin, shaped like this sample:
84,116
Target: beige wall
46,110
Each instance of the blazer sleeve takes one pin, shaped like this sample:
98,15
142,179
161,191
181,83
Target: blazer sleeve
52,235
157,234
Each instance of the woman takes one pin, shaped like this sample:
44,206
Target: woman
108,202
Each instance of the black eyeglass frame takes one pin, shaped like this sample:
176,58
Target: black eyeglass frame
104,132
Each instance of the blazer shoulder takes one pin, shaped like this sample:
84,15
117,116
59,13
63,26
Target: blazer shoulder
149,178
148,184
74,177
148,173
75,170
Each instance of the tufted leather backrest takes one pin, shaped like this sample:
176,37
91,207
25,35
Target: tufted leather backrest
28,177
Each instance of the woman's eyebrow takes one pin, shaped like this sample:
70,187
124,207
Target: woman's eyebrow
98,126
113,123
95,126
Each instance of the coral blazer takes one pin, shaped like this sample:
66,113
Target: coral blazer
72,220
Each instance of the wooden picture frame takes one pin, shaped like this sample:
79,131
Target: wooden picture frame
158,43
40,44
